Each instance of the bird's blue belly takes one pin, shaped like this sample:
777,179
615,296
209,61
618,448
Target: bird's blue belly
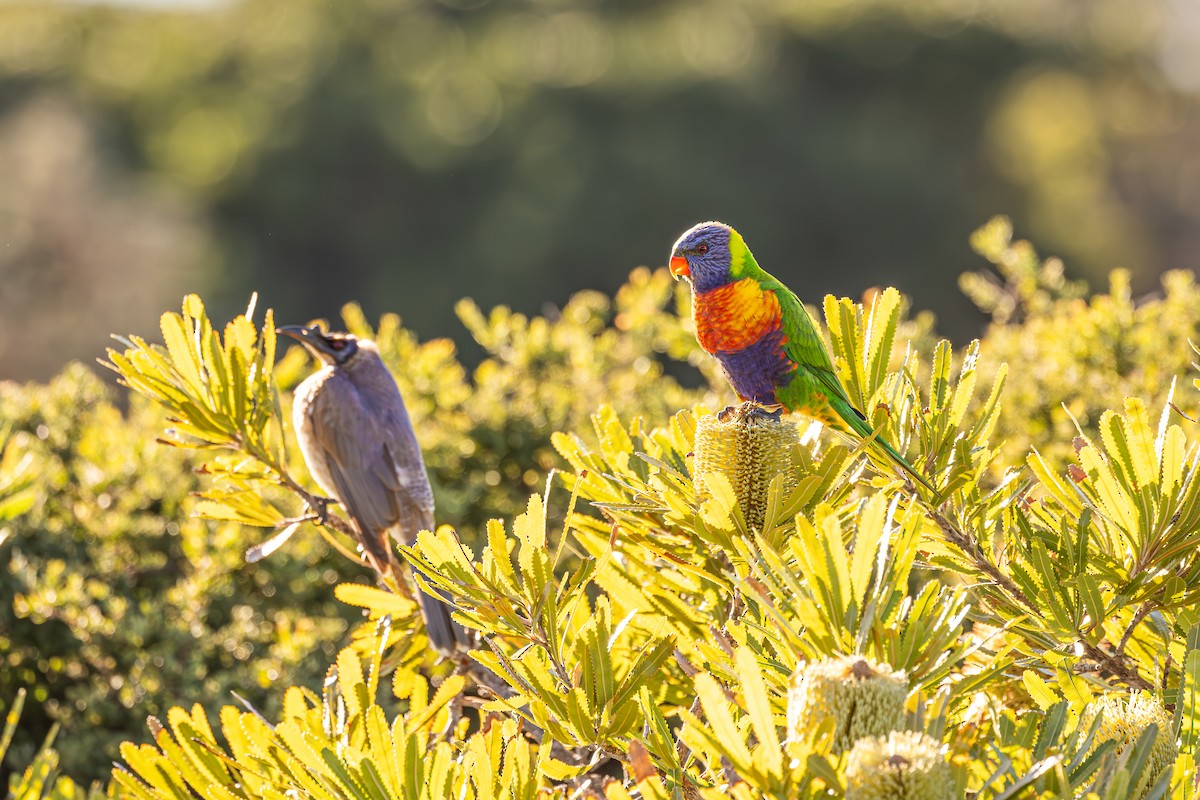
757,371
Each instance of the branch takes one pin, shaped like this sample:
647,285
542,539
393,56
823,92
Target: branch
319,504
1142,612
389,573
1113,663
980,561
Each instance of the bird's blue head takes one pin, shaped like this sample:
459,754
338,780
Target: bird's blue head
705,255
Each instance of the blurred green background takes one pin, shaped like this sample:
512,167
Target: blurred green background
409,152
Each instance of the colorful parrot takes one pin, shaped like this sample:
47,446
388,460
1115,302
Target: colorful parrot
762,335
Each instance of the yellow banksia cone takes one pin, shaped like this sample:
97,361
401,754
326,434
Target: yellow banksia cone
1123,719
864,699
904,765
750,447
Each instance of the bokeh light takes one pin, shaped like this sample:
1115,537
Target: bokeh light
516,152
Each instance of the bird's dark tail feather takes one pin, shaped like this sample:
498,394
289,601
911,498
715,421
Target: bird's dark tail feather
445,635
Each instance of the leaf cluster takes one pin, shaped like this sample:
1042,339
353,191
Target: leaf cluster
642,641
115,599
41,779
1072,356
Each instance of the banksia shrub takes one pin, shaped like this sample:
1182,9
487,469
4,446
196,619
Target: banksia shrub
864,699
1123,719
663,634
904,765
750,446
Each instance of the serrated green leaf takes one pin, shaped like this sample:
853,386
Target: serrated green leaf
1039,690
758,704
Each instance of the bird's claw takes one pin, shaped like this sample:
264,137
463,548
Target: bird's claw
319,506
748,410
773,413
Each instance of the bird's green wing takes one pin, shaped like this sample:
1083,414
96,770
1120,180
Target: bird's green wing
804,343
806,349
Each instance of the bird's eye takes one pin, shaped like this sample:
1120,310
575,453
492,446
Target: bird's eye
337,344
701,248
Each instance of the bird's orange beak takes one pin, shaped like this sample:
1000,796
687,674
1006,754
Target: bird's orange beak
679,267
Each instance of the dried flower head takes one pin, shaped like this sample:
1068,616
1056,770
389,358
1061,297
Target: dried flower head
750,446
904,765
864,699
1123,718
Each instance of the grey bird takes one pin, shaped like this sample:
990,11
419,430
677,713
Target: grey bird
360,447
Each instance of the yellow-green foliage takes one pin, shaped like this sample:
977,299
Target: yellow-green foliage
862,699
903,765
121,601
1073,357
16,481
339,744
115,600
636,626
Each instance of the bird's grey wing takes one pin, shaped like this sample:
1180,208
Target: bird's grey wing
374,462
351,440
405,466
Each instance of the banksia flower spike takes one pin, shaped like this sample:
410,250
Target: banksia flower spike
1122,720
750,446
904,765
864,699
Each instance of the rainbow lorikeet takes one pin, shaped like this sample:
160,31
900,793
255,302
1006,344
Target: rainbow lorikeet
762,335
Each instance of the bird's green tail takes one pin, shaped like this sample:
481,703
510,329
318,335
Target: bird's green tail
909,468
859,424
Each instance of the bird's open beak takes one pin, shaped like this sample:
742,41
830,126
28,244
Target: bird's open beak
312,337
301,333
679,267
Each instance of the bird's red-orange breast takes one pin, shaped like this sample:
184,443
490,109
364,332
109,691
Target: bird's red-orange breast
734,316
